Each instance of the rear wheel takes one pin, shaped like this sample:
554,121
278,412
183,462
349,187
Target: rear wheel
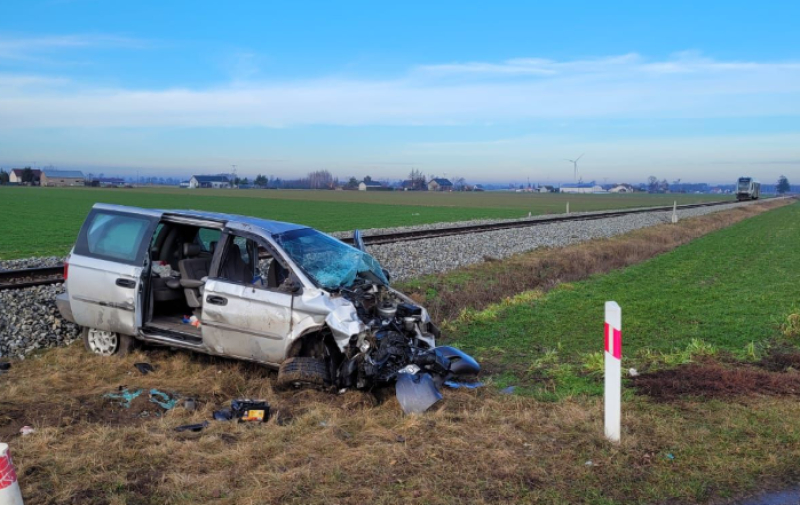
107,343
303,372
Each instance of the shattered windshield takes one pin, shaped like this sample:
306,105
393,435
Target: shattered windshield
331,264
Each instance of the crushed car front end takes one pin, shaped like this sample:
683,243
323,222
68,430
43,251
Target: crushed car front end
377,336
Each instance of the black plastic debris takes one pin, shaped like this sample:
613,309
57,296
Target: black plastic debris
244,410
144,368
192,427
5,366
250,410
223,415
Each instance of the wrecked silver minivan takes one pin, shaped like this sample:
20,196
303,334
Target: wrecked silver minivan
276,293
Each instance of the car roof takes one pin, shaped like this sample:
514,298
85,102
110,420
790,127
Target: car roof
267,225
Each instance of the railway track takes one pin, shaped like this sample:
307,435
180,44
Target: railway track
28,277
405,236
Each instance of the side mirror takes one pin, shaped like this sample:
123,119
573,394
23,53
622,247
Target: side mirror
292,286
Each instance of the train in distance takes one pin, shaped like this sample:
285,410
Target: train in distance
748,188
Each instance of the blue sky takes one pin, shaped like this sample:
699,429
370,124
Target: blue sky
500,91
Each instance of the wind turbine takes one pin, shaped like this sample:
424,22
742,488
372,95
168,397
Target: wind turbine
575,164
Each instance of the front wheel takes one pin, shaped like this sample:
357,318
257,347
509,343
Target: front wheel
303,372
107,343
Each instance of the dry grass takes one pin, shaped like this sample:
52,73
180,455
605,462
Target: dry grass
478,286
477,447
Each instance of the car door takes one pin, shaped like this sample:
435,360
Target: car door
243,316
106,265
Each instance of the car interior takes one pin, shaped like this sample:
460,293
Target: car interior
181,256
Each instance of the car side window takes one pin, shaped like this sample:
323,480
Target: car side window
244,245
114,236
237,265
244,261
206,237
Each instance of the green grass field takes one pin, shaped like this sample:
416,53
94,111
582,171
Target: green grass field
45,221
728,291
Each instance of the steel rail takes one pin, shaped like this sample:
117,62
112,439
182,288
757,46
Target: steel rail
29,277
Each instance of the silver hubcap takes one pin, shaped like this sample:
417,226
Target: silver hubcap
103,343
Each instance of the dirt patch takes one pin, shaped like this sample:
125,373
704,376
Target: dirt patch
781,362
716,381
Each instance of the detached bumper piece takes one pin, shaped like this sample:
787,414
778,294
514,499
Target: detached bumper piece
417,390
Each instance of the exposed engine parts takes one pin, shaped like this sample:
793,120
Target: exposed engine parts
397,342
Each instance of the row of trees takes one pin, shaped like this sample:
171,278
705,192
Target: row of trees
320,179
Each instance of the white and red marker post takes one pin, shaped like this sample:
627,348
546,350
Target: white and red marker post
9,487
613,373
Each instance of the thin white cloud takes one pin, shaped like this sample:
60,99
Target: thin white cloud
686,85
32,48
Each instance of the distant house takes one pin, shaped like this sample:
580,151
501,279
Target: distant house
621,188
15,177
581,188
370,186
209,181
62,178
546,189
110,182
439,184
184,184
407,185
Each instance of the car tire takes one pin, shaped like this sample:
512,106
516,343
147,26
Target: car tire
107,343
303,372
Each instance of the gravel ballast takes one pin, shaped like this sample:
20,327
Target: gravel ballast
406,260
29,319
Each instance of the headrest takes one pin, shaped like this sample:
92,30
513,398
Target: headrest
191,250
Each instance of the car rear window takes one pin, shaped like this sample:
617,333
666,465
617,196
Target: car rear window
114,236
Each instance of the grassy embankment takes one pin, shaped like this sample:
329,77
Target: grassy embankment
47,219
544,446
719,292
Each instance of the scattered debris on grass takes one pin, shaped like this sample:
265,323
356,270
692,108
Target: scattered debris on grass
250,410
192,427
163,400
124,396
144,368
452,384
